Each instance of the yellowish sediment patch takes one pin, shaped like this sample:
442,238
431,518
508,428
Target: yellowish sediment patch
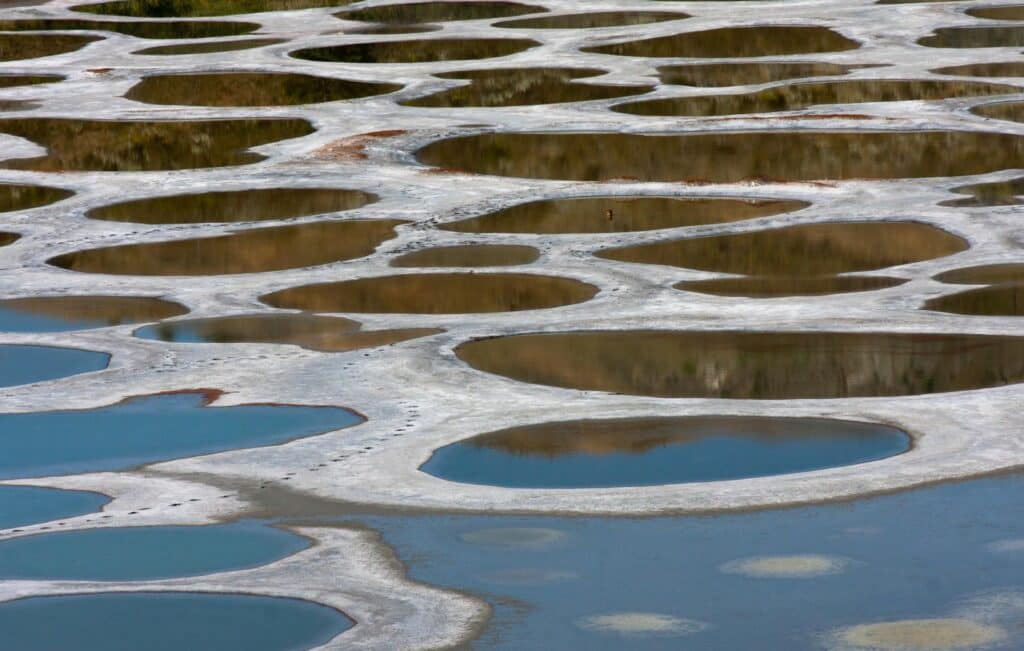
800,566
920,635
641,624
517,536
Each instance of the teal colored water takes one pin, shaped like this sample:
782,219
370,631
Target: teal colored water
149,429
142,553
954,550
648,452
22,505
167,622
28,364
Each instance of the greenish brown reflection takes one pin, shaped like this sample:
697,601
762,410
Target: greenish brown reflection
11,81
73,312
971,37
728,157
1012,111
321,333
250,89
745,74
141,29
419,51
22,197
436,293
199,8
997,69
469,255
523,87
735,42
209,47
619,214
806,250
261,204
593,20
8,238
797,96
752,365
990,274
411,13
384,28
14,47
998,193
14,105
998,300
108,146
778,286
1006,12
240,252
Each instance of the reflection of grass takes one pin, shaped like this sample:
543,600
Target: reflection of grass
200,8
31,46
420,51
250,89
23,197
151,29
435,12
735,42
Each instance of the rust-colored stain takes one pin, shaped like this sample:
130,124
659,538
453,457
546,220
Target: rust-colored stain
354,147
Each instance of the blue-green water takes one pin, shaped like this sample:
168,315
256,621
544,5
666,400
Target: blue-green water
921,554
141,553
27,364
166,622
22,505
579,454
149,429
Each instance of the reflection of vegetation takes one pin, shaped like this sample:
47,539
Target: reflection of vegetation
810,250
728,42
1009,12
998,69
591,214
998,300
468,255
639,435
250,89
260,204
1012,111
128,146
23,197
984,275
729,157
797,96
10,81
743,74
14,47
772,286
200,8
998,193
214,46
104,310
970,37
141,29
8,238
523,87
754,365
435,293
438,49
250,251
327,334
436,12
592,20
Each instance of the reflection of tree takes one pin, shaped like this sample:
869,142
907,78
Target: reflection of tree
999,193
23,197
798,96
327,334
751,364
233,206
249,251
435,293
808,250
744,74
735,42
108,310
590,214
109,146
437,49
250,89
729,157
200,8
141,29
999,300
523,86
32,46
999,69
